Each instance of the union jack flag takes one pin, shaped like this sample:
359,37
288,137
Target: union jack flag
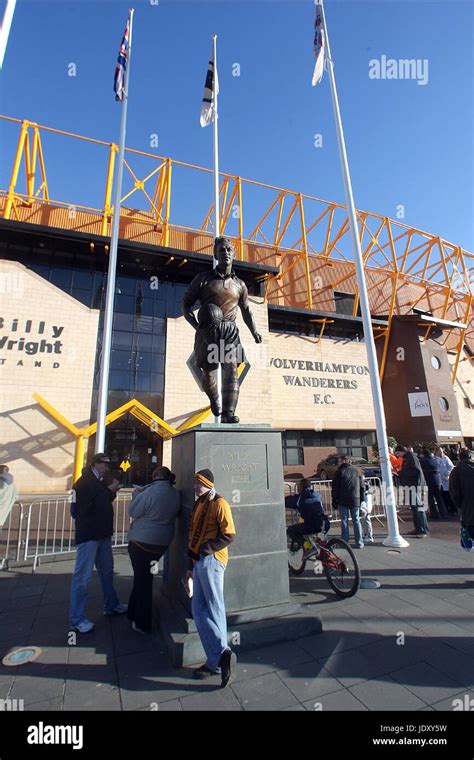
119,79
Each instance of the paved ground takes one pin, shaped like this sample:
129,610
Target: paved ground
406,646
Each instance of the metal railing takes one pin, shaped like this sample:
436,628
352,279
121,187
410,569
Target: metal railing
45,528
323,487
11,536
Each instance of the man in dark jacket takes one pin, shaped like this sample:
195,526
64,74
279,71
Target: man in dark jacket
310,507
461,489
347,493
431,470
94,515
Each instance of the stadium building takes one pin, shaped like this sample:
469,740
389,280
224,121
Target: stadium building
309,377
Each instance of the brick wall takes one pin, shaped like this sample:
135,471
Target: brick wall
38,450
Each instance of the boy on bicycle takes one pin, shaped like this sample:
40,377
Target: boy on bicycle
310,507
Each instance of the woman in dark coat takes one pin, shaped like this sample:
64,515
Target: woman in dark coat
413,480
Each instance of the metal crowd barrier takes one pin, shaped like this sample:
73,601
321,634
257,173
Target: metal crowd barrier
45,528
323,487
11,536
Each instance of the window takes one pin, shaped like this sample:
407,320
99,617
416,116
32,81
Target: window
292,448
121,360
443,404
61,278
435,362
344,303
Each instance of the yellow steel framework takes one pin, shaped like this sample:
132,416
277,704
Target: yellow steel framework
138,410
307,238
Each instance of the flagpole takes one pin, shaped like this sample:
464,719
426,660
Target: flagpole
217,225
112,270
5,28
394,538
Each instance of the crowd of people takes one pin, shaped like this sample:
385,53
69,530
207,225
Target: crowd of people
426,481
153,511
435,486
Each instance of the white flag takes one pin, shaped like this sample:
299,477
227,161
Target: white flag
319,46
211,85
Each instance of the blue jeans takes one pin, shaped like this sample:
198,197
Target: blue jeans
209,609
354,512
88,554
419,520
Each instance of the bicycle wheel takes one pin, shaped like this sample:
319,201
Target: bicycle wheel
296,560
341,568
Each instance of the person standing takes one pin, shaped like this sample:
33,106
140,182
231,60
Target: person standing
154,510
8,493
413,482
431,471
461,489
93,513
347,494
445,469
365,512
211,531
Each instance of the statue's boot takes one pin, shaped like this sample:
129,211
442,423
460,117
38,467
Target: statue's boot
216,408
230,417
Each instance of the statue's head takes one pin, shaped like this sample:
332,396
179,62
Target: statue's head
223,251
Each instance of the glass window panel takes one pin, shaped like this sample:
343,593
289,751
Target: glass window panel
123,322
153,401
144,342
125,285
160,309
61,277
119,381
84,296
159,344
19,249
157,383
83,279
162,291
124,304
311,439
144,324
159,326
143,361
122,339
158,363
146,307
142,382
116,399
293,456
121,359
292,438
42,269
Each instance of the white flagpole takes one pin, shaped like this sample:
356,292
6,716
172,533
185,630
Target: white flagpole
216,192
112,270
5,28
394,538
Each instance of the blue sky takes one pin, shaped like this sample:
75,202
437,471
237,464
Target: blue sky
408,144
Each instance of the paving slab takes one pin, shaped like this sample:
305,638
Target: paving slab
386,694
264,693
341,700
310,680
426,682
215,701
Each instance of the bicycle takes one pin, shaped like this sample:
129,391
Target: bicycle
335,558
